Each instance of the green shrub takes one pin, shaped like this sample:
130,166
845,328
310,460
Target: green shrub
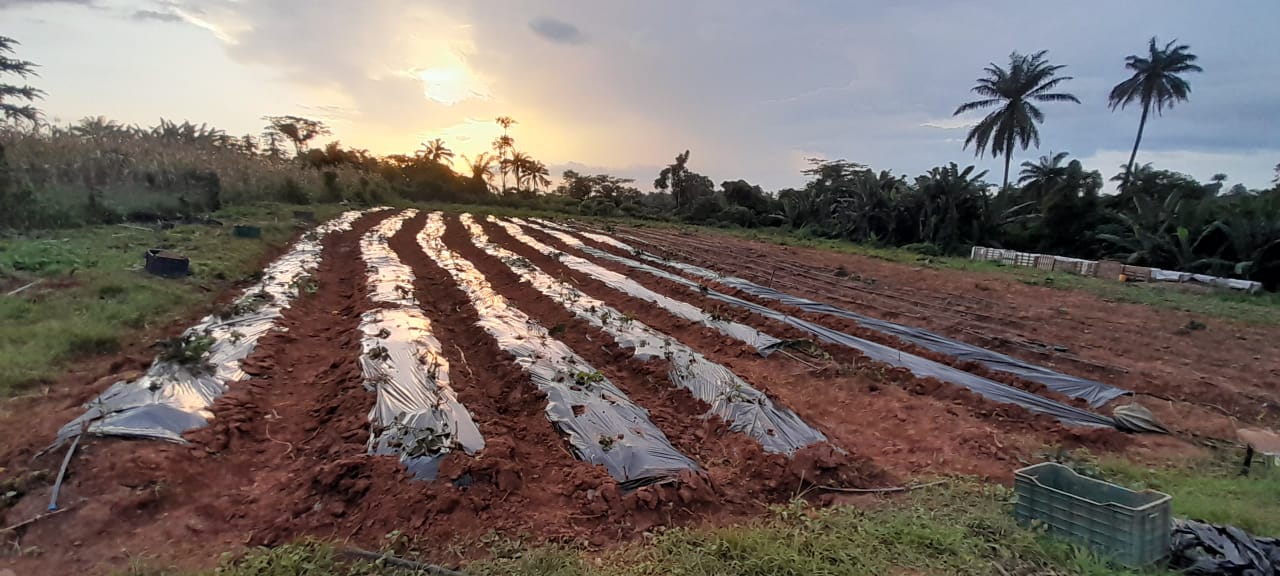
923,248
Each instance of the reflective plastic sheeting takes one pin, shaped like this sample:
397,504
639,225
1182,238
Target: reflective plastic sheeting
746,409
174,396
390,280
1215,281
921,367
601,424
416,415
1095,393
763,343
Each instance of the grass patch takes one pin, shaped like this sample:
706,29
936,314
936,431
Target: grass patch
93,298
1211,490
965,529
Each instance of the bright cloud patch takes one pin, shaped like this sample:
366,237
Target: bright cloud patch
450,86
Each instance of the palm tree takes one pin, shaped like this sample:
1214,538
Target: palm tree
538,174
518,165
1155,81
481,167
10,93
502,144
436,151
1045,176
1029,79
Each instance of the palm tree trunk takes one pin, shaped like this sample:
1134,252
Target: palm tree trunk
1007,158
1146,107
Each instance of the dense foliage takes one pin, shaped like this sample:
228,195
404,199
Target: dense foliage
1161,219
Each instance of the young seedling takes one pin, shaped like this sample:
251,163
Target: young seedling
187,350
588,379
305,285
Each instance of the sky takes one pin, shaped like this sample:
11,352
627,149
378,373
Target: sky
751,87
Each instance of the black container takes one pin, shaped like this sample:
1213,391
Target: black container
168,264
242,231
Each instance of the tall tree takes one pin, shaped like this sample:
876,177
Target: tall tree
1155,82
1014,91
518,164
1042,178
503,144
12,95
673,178
296,129
436,151
538,174
481,168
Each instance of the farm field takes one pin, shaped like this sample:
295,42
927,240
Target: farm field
464,379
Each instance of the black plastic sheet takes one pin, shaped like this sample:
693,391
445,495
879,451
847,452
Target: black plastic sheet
1201,549
921,367
416,415
173,397
746,409
602,425
1095,393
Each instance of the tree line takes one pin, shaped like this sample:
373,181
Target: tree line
109,172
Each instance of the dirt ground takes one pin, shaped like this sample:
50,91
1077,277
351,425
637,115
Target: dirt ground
285,456
1201,382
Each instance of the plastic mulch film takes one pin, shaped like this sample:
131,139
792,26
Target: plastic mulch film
390,281
552,225
194,370
601,424
763,343
746,409
416,416
921,367
1095,393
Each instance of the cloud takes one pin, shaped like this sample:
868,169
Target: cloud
951,123
16,3
649,87
156,16
557,31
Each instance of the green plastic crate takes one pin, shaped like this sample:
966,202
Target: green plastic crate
1132,528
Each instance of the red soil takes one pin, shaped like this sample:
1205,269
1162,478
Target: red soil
1201,382
286,456
1010,419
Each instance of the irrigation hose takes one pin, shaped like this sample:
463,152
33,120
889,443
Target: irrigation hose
62,473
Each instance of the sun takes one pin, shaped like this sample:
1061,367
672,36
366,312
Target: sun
450,85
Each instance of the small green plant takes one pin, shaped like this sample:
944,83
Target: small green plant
588,379
1189,327
187,350
607,443
808,347
378,353
305,285
246,304
1081,460
518,263
404,292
